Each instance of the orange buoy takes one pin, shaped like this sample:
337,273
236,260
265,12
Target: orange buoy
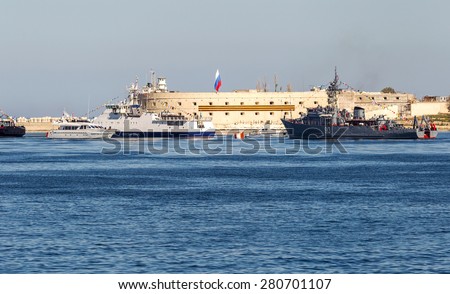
239,135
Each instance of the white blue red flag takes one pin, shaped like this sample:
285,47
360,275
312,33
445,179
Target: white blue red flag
218,82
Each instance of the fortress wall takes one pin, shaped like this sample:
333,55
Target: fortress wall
251,109
428,108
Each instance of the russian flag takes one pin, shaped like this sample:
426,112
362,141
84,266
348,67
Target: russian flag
218,82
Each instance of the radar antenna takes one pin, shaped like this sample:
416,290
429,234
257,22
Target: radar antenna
333,90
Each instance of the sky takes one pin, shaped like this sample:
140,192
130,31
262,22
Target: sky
77,55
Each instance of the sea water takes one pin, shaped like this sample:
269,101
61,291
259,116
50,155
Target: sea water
252,206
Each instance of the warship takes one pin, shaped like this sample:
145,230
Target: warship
128,119
332,123
8,127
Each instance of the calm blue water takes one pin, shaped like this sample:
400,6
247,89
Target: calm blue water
382,207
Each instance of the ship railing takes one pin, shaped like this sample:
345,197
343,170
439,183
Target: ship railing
111,106
202,118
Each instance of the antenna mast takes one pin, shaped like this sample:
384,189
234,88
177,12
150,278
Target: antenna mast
275,81
333,90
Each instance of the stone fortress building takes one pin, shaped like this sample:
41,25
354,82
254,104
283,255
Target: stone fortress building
253,109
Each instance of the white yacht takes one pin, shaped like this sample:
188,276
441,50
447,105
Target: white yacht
79,130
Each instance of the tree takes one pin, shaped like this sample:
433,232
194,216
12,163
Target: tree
448,103
389,90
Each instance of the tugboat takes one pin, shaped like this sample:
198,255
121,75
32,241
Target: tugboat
8,127
331,123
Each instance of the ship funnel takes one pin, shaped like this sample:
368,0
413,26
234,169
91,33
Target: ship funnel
358,113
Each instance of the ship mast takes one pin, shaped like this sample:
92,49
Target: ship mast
4,114
333,90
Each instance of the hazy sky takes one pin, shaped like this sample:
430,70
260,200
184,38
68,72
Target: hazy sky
63,54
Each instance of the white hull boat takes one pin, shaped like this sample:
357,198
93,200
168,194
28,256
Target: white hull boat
79,130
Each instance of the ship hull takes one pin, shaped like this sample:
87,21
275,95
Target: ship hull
12,131
425,134
303,131
148,125
163,134
79,134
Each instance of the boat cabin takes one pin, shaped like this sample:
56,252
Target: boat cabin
68,127
6,123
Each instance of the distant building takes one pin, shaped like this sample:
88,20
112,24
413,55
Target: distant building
436,98
44,119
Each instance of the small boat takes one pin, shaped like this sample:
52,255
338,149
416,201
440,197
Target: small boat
426,129
8,127
79,129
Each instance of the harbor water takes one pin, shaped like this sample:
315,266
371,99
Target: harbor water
255,207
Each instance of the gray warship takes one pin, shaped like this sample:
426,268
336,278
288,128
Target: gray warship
332,123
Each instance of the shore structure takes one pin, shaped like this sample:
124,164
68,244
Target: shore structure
255,110
40,124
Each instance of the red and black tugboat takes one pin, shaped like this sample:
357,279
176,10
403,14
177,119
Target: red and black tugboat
331,123
8,127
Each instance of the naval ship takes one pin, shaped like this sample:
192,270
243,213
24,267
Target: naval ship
8,127
332,123
128,120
